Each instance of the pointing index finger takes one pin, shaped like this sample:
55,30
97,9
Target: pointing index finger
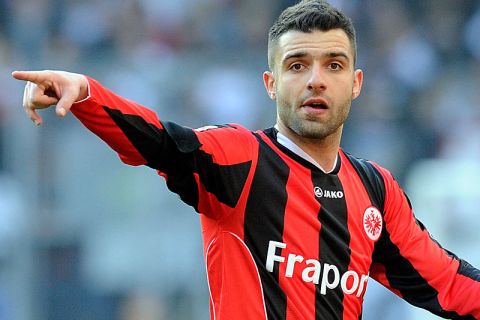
33,76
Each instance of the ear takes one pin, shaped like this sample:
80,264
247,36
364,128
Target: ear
269,82
357,83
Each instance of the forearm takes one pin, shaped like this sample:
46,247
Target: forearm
118,121
463,293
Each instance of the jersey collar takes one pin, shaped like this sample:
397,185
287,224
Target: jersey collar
290,145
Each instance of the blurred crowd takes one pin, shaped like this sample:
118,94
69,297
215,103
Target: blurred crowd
83,236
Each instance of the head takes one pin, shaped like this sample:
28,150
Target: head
306,16
312,77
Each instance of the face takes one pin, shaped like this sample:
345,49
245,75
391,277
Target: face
313,82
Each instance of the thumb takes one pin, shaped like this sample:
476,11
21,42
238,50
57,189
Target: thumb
69,96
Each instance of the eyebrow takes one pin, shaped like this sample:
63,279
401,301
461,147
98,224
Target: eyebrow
336,54
302,54
296,55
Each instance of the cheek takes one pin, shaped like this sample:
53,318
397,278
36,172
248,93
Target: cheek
290,87
344,89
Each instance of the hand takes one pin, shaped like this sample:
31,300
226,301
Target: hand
46,88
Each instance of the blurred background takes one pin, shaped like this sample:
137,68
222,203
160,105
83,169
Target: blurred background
83,236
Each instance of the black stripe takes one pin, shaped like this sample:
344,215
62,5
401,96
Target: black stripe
161,153
372,180
226,182
467,270
149,140
185,139
177,154
264,222
334,243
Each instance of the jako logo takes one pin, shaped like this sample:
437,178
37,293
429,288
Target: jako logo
319,193
327,276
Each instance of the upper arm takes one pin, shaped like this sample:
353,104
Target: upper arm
210,164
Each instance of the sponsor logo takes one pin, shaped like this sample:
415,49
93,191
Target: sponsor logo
373,223
319,193
327,276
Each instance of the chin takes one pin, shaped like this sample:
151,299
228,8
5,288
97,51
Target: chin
312,133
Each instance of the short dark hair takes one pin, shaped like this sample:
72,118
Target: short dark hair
309,15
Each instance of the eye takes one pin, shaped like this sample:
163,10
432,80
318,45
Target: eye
335,66
297,67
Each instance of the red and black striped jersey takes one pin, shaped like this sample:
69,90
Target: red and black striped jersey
282,238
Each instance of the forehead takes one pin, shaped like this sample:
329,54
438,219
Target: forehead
313,42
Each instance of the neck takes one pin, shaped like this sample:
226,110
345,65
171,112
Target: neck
323,150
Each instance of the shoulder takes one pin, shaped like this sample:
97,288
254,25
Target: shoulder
365,167
368,167
224,133
227,142
377,180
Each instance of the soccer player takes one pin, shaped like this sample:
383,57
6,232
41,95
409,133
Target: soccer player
293,226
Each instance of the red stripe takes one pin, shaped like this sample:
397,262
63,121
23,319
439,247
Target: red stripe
223,233
104,97
466,288
301,294
229,145
228,253
91,113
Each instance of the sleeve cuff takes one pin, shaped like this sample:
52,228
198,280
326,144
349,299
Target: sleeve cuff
88,92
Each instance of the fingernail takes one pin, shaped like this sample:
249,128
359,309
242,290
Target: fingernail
62,112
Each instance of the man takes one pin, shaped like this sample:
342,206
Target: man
293,226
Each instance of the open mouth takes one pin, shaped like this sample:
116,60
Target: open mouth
317,105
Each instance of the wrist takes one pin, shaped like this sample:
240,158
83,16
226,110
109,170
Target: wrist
83,94
84,89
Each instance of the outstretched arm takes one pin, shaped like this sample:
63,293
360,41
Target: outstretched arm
202,165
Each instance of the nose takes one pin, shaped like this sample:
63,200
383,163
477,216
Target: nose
317,81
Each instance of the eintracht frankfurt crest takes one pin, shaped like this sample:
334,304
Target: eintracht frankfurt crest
373,223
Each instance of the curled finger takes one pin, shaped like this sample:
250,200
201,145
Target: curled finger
29,106
33,115
69,96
